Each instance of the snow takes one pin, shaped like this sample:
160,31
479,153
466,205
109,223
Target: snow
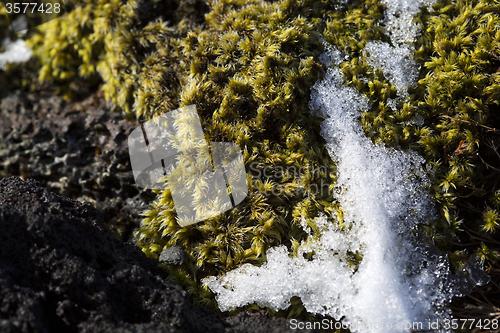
400,282
396,60
382,194
15,52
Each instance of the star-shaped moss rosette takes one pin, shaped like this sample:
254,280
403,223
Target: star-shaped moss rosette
249,68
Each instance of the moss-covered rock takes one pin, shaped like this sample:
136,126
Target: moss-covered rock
248,67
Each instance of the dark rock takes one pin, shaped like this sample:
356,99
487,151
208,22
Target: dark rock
61,271
78,150
174,255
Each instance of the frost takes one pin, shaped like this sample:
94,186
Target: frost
396,60
15,52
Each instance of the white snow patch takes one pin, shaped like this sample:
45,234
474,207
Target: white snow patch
15,52
396,61
381,192
399,19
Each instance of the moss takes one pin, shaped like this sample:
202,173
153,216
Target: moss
248,67
461,98
249,76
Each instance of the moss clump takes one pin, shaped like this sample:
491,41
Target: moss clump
116,42
249,76
460,104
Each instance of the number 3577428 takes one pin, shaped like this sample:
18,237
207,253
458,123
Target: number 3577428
33,7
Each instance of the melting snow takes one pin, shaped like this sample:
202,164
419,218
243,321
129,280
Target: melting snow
396,60
382,195
15,52
399,282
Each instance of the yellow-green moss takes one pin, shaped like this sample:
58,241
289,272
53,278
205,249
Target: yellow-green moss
249,75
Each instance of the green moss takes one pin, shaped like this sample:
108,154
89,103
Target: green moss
457,96
461,97
249,76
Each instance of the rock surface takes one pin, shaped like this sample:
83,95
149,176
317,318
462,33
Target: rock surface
78,150
61,271
173,255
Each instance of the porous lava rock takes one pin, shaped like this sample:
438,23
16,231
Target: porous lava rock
61,271
78,150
